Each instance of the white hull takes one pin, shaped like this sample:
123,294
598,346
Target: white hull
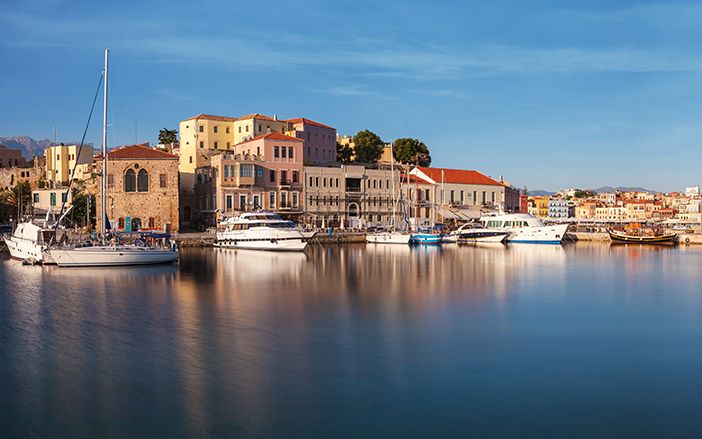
493,239
24,249
389,238
264,238
538,235
109,256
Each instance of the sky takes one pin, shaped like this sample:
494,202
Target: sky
548,94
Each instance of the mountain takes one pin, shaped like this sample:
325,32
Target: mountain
29,146
610,189
541,193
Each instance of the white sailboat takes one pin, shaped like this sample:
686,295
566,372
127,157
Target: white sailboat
390,236
110,255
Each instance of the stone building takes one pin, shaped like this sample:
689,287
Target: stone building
354,194
11,157
142,189
9,177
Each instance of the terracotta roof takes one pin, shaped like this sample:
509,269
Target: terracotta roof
458,176
138,152
213,117
272,136
259,116
413,179
302,120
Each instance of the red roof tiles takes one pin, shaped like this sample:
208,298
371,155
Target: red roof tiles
458,176
139,152
302,120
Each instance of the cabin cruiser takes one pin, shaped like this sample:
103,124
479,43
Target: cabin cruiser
30,239
261,231
525,228
388,237
471,233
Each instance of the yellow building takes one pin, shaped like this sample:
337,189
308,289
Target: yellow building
538,206
253,125
60,160
200,136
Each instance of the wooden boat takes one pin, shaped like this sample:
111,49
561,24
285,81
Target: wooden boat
635,234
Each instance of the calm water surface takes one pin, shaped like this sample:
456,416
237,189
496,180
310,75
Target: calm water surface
526,341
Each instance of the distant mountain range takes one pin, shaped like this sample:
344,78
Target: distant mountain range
29,146
601,190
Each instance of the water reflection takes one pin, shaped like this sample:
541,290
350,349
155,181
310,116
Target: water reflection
384,340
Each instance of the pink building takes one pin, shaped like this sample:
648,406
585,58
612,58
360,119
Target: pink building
319,140
282,164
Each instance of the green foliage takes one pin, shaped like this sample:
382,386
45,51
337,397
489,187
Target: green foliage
411,152
368,147
80,209
167,137
343,153
584,194
15,202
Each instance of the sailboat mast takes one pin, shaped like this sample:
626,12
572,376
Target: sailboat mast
392,177
104,155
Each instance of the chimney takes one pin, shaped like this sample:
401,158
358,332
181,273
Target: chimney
275,116
501,181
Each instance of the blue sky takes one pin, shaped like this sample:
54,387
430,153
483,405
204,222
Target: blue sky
549,94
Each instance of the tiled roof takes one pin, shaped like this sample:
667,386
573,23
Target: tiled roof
302,120
272,136
138,152
213,117
258,116
458,176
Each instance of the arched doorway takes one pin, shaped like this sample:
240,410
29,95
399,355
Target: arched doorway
353,212
136,224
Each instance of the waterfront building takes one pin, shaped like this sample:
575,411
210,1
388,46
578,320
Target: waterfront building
692,191
254,125
357,195
523,203
587,209
142,189
458,187
319,140
539,206
11,157
61,159
51,199
608,198
560,209
10,177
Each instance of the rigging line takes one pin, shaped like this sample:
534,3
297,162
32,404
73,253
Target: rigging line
80,150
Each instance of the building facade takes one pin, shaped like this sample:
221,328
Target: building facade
11,157
319,140
561,209
142,190
61,159
47,199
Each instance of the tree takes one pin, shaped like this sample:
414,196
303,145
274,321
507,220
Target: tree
343,153
15,202
167,137
368,147
411,152
80,213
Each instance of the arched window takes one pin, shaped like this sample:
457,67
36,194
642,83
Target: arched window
152,222
129,181
143,181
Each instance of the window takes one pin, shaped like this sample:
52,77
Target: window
120,223
475,197
276,152
246,171
130,181
216,145
310,181
295,177
35,197
337,182
284,177
290,152
143,181
202,144
258,150
191,159
227,130
202,129
247,128
484,197
110,180
64,197
162,180
259,172
229,144
324,182
452,197
58,157
294,199
271,176
215,128
52,198
260,128
316,181
152,222
226,171
229,202
271,200
239,130
283,151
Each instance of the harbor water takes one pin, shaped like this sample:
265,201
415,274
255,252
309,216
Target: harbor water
585,340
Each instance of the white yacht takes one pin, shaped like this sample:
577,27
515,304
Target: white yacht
106,255
525,228
261,231
471,233
30,239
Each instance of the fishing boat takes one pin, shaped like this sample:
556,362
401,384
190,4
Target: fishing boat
525,228
112,254
261,231
636,234
31,239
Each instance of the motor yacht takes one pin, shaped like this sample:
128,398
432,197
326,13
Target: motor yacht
471,233
261,231
525,228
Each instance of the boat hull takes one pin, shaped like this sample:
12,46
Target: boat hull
426,239
388,238
537,235
24,249
112,256
265,239
481,235
619,238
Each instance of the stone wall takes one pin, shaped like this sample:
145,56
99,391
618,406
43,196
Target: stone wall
9,177
159,203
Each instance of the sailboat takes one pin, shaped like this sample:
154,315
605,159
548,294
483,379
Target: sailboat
110,255
390,236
